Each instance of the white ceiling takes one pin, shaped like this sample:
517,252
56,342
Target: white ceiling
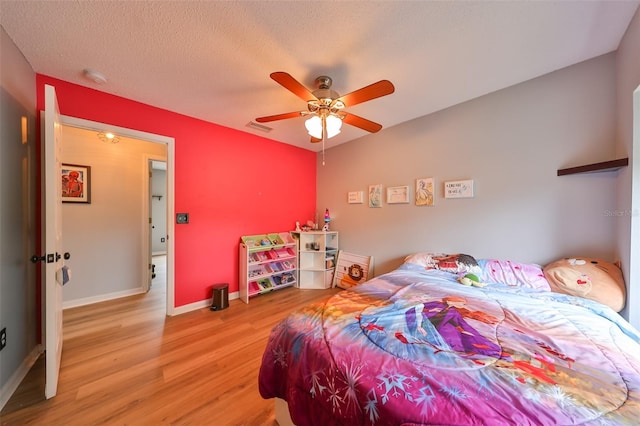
212,59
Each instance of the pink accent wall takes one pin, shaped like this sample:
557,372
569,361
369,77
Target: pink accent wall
231,183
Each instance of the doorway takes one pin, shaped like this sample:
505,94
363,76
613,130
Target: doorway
164,152
157,172
158,201
31,389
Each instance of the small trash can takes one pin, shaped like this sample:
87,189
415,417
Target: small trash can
220,297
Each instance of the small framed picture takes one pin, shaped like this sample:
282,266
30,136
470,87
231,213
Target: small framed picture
375,195
424,192
458,189
355,197
397,195
76,183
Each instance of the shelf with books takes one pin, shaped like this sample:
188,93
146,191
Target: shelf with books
268,262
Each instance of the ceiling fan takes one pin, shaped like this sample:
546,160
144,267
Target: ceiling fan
325,107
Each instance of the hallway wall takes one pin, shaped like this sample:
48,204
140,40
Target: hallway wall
105,237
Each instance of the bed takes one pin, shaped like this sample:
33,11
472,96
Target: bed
415,347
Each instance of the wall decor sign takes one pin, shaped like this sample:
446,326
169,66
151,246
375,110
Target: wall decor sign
352,269
424,192
355,197
397,195
458,189
375,195
76,183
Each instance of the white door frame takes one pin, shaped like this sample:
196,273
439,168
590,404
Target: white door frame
170,160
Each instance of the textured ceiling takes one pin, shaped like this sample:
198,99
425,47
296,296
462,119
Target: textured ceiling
212,59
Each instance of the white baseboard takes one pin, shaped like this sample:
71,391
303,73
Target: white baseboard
201,304
101,298
18,376
176,311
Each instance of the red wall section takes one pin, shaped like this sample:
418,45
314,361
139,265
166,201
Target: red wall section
231,183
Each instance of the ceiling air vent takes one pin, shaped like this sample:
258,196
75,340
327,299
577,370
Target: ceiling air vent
256,126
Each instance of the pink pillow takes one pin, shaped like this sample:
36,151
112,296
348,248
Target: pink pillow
514,273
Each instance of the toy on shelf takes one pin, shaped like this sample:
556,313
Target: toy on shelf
327,219
309,226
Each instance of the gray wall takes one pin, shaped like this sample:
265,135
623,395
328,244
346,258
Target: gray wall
106,237
628,190
18,310
511,143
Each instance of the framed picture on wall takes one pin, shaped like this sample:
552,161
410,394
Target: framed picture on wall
458,189
398,195
424,192
76,183
375,195
355,197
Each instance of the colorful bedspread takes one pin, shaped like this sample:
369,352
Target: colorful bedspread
415,347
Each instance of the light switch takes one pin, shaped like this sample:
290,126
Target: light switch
182,217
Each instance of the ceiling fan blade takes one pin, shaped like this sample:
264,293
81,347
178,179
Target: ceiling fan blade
372,91
291,84
278,117
360,122
315,140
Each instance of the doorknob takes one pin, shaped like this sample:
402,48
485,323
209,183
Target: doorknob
49,258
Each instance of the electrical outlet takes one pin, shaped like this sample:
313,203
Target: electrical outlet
3,338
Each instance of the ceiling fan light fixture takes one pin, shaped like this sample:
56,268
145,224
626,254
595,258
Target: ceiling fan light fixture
334,124
314,126
108,137
324,106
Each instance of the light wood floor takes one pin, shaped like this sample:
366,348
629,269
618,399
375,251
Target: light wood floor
125,363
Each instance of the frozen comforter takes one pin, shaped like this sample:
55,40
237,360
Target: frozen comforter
415,347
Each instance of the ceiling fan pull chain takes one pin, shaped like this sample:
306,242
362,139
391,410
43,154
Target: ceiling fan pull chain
324,137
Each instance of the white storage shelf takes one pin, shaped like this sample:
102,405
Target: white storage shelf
267,262
317,251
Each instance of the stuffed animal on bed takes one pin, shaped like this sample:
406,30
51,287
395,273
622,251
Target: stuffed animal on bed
594,279
471,280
